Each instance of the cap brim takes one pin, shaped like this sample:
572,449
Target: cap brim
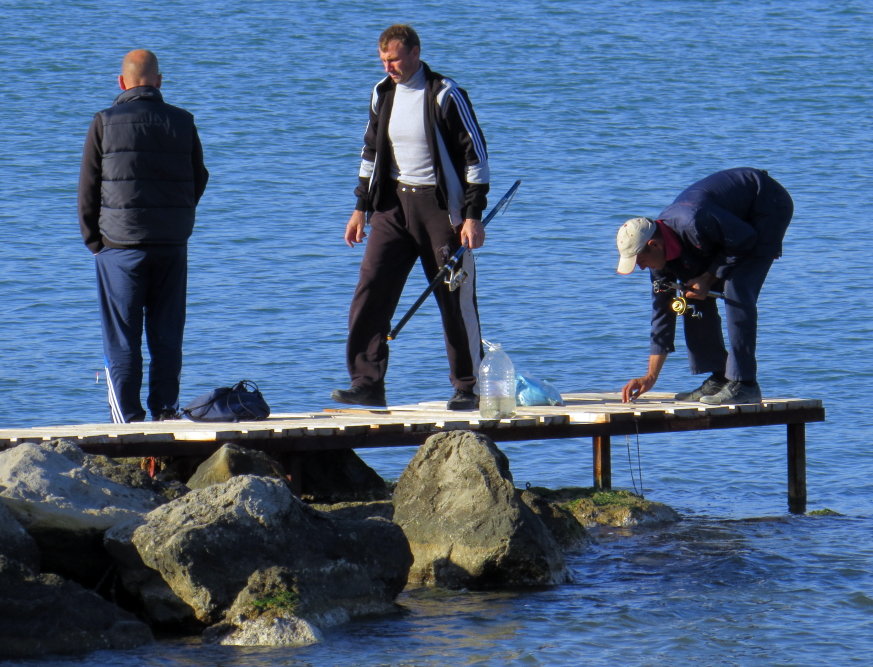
626,265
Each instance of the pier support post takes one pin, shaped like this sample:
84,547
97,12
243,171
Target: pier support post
797,468
602,462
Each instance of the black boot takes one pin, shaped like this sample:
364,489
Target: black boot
360,395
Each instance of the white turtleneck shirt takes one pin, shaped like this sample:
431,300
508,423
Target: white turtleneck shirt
413,163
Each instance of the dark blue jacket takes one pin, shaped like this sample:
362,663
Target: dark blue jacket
720,220
729,215
142,173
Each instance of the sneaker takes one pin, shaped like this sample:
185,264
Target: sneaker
710,387
463,400
166,415
360,395
734,393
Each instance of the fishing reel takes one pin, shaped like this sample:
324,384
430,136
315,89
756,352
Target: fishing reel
455,278
679,305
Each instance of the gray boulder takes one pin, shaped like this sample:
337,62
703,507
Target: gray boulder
66,505
231,550
465,521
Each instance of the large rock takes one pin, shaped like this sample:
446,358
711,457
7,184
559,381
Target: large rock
58,494
43,614
465,522
231,460
228,549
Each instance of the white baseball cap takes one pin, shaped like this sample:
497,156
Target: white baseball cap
631,239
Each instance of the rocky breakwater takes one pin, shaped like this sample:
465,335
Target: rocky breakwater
96,554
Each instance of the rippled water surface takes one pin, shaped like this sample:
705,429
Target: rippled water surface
604,110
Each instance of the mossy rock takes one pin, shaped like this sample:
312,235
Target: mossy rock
618,508
824,512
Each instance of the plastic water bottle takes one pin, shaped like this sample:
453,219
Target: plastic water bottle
496,383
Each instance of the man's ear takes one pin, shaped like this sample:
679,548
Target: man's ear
121,82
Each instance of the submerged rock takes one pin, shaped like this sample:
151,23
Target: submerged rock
618,508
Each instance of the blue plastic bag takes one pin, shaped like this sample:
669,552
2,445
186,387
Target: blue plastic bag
531,391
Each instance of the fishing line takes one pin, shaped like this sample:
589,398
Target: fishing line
630,464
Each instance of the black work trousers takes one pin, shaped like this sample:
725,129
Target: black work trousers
412,226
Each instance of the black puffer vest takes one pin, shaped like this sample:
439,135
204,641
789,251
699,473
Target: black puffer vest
147,184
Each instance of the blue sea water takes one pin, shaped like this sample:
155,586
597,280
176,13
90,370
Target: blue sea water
605,110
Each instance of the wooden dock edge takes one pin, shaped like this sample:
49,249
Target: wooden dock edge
595,416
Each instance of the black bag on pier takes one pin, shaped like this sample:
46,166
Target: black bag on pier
241,402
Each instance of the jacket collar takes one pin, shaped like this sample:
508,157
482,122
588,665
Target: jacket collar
148,93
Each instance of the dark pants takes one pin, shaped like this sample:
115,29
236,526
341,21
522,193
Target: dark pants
412,226
139,287
706,349
703,336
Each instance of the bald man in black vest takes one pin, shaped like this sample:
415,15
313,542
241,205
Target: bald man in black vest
141,178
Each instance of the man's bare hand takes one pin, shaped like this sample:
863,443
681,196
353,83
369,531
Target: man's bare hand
472,234
355,228
697,288
636,388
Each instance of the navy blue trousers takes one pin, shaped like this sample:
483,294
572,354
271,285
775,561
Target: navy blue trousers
143,287
703,336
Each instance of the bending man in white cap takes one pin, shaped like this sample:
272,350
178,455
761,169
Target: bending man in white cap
722,233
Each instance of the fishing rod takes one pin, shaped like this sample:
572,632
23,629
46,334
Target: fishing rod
679,304
455,277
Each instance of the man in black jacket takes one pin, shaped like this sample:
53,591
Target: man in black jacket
721,233
423,185
141,178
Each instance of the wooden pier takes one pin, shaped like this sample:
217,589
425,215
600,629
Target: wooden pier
598,416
